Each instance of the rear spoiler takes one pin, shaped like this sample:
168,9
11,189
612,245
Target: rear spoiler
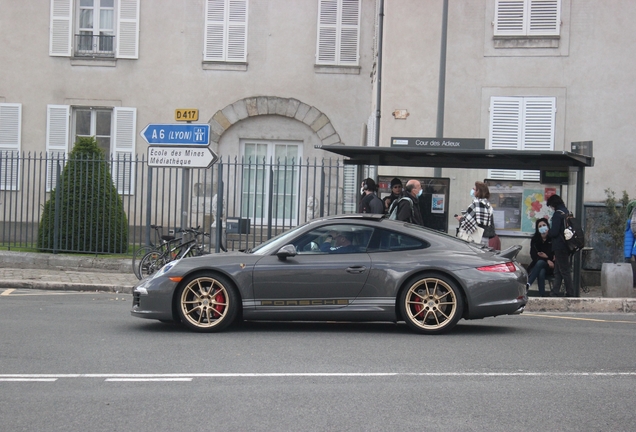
509,253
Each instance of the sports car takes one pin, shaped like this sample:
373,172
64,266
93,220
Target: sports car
357,267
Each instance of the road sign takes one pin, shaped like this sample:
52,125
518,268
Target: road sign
186,114
171,134
181,157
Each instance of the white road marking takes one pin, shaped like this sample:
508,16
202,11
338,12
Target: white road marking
578,318
7,292
190,376
147,379
29,379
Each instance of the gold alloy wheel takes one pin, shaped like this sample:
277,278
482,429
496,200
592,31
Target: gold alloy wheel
204,303
432,304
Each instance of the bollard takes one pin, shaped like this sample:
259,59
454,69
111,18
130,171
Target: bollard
616,280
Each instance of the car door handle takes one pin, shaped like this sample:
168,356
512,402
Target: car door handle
356,269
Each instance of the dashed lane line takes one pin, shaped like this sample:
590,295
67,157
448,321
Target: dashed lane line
190,377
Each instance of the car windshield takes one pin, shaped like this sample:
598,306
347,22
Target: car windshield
272,245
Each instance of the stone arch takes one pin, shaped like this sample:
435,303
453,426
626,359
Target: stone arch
223,119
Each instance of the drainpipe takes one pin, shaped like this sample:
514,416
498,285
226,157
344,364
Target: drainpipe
437,172
378,90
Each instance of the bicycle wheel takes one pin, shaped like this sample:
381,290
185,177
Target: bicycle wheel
150,263
137,256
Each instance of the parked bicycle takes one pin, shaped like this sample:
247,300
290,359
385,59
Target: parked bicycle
162,243
186,246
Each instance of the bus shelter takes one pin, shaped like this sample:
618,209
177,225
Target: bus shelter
550,162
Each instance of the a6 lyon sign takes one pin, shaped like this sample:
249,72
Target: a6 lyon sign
181,157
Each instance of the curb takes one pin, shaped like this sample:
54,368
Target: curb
27,260
582,304
65,286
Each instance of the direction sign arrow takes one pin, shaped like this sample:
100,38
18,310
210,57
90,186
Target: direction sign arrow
181,157
170,134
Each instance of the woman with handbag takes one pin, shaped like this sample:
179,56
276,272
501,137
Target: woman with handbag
477,224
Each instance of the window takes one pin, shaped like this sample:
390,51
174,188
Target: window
521,123
385,240
527,18
10,140
95,28
276,164
225,31
113,128
335,239
338,32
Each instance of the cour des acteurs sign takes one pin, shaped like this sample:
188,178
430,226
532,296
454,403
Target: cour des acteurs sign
440,143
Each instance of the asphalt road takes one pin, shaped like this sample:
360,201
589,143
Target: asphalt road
79,361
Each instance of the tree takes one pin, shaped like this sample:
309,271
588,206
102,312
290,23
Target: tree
613,227
84,212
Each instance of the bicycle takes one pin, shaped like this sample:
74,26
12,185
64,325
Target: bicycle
156,259
164,240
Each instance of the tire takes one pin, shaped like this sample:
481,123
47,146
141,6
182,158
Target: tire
150,263
431,304
207,302
136,259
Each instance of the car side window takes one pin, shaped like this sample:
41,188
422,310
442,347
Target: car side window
385,240
335,239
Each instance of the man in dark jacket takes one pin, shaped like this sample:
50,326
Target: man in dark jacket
370,203
408,205
562,268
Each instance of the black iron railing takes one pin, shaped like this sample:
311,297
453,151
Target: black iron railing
94,46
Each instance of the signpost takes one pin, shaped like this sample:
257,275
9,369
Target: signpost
180,146
171,134
181,157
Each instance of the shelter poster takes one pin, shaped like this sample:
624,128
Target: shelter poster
534,207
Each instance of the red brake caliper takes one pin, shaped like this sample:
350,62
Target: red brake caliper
219,298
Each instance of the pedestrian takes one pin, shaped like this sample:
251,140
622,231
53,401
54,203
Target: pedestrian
542,264
370,202
479,214
407,208
630,239
562,267
396,192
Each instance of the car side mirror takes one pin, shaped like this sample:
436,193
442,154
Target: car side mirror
286,251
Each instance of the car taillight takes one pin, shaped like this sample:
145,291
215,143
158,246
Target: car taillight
508,267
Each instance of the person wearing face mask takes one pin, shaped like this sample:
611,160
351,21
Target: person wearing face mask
408,209
479,213
542,264
562,266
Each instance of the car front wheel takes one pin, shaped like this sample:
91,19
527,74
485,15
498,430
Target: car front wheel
207,303
431,305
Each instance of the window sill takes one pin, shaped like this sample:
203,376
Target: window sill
526,41
336,69
224,66
84,61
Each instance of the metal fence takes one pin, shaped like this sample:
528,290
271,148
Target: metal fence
261,198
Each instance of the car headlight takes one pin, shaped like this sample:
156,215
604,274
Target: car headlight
165,269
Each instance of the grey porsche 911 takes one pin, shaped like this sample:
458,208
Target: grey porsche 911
357,267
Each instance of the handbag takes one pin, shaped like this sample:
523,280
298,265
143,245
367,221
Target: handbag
489,230
474,237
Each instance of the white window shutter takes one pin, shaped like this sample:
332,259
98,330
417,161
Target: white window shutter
237,31
57,137
505,123
123,167
61,28
327,32
10,142
349,32
538,124
214,44
510,17
128,29
545,17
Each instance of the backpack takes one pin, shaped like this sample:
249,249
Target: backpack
573,234
393,210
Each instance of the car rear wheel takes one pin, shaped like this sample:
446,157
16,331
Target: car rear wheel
431,304
207,302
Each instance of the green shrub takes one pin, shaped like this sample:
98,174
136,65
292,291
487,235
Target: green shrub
614,223
89,212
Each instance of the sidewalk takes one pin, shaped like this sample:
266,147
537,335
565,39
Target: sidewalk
80,273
